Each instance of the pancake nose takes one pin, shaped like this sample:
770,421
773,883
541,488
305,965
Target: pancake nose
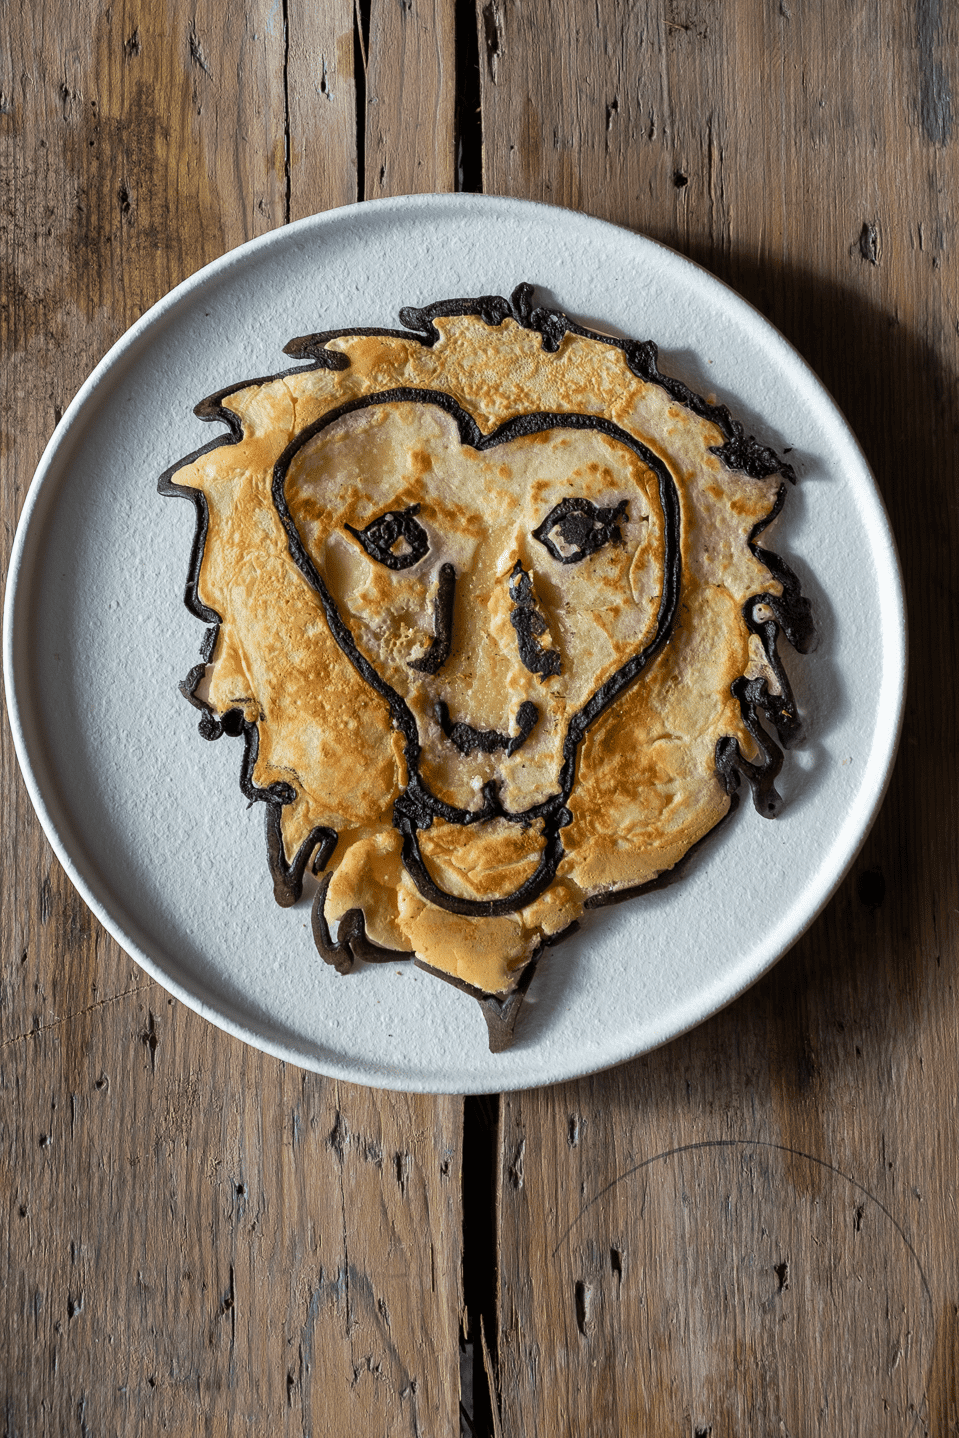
443,600
530,626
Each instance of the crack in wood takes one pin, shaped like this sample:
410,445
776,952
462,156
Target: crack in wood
583,1297
517,1169
77,1014
339,1136
492,36
870,243
196,52
151,1040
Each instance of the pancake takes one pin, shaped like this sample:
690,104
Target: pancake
486,602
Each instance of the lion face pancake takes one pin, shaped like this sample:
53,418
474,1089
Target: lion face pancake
488,605
487,590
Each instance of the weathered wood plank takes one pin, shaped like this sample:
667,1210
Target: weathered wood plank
808,156
194,1235
113,159
203,1241
680,1244
322,97
411,97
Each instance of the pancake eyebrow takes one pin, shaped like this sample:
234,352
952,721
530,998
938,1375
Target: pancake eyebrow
439,650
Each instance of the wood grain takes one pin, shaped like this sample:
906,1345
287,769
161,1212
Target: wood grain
321,129
206,1241
751,1230
197,1238
808,157
410,98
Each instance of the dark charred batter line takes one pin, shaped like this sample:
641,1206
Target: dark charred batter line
537,883
530,626
791,613
416,807
288,878
583,526
382,535
351,942
467,739
442,641
668,877
191,599
319,843
740,452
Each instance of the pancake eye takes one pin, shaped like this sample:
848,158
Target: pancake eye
395,539
576,528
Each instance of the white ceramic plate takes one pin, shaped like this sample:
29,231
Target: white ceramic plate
148,819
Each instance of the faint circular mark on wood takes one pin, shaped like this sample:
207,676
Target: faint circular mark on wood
742,1288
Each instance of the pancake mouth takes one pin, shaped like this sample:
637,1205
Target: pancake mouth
467,739
532,887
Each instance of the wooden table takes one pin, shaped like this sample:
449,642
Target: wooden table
752,1231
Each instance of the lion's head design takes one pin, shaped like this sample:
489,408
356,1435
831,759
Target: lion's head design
487,601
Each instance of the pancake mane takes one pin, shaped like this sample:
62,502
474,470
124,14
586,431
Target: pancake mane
486,604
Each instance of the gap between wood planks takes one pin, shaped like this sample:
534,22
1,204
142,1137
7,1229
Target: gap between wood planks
467,119
479,1340
479,1404
479,1335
